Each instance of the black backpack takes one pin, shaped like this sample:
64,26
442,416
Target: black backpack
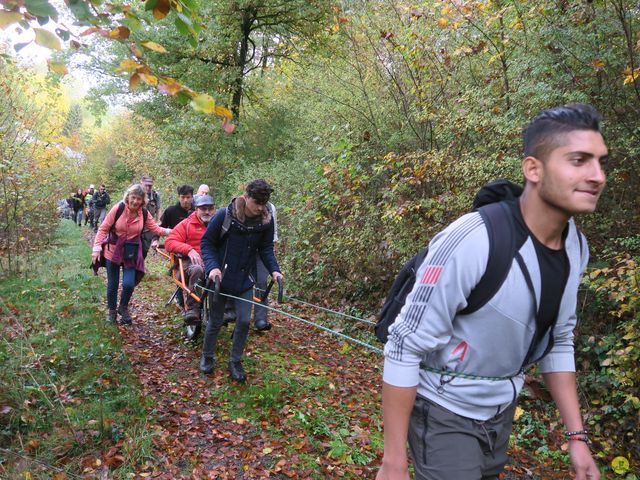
498,220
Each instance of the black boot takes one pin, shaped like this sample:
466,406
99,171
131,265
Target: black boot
237,372
111,316
207,364
262,325
125,317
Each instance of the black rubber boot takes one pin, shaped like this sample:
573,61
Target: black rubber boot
262,325
125,317
112,316
207,364
237,372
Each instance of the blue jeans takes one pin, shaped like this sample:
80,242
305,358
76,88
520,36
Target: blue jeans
77,217
113,279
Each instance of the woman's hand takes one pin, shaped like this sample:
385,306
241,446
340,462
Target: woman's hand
95,256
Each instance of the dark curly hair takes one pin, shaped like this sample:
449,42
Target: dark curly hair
259,190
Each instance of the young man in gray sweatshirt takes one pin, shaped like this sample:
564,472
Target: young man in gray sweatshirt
451,380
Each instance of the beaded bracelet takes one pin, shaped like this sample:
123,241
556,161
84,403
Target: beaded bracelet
577,432
579,439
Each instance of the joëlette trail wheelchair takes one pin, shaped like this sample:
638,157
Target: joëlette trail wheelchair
192,327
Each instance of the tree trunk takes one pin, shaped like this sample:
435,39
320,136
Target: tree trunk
248,17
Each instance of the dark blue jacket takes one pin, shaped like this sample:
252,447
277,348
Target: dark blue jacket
238,250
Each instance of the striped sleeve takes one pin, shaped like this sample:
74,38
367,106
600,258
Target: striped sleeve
455,263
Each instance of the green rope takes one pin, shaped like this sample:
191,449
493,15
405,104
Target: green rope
287,314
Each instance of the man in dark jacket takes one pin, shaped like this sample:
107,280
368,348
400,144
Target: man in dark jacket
100,201
234,237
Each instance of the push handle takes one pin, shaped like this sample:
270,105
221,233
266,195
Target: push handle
280,289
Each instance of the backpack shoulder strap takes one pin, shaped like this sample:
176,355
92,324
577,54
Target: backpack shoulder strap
118,215
145,213
226,224
498,220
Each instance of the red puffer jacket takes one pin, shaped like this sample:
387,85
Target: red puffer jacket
186,235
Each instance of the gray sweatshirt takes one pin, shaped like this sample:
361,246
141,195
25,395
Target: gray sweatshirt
491,342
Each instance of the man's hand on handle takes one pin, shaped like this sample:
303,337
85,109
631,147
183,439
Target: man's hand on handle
276,276
215,273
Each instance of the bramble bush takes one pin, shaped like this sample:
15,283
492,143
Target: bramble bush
610,352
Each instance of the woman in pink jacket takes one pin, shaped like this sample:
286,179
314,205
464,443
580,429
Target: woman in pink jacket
118,239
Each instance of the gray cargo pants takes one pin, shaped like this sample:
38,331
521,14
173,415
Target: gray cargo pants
447,446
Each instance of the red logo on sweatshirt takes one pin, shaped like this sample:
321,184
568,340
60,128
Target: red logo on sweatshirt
431,275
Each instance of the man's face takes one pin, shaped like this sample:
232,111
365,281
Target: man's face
572,177
205,213
148,186
185,201
253,208
101,189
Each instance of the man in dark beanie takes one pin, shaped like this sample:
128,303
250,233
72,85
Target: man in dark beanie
234,238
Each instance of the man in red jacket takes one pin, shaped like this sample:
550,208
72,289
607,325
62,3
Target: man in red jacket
185,240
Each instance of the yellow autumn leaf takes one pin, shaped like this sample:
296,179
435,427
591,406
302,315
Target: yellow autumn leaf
9,18
223,112
57,67
443,22
518,413
45,38
267,450
156,47
127,65
149,79
240,421
204,103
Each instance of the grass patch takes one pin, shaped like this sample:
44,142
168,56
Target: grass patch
68,394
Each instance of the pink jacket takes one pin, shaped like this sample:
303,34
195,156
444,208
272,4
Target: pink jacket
127,226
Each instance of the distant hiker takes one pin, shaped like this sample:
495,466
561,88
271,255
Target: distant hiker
185,240
100,201
70,203
234,237
78,207
467,370
119,240
153,206
203,190
88,202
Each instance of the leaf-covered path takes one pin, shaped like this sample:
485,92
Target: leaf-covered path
308,410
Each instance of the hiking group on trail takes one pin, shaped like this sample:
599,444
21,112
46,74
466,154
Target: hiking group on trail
494,293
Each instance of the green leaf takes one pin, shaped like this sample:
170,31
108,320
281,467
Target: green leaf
182,27
8,18
183,98
190,4
41,8
193,41
204,103
63,34
47,39
150,4
81,11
